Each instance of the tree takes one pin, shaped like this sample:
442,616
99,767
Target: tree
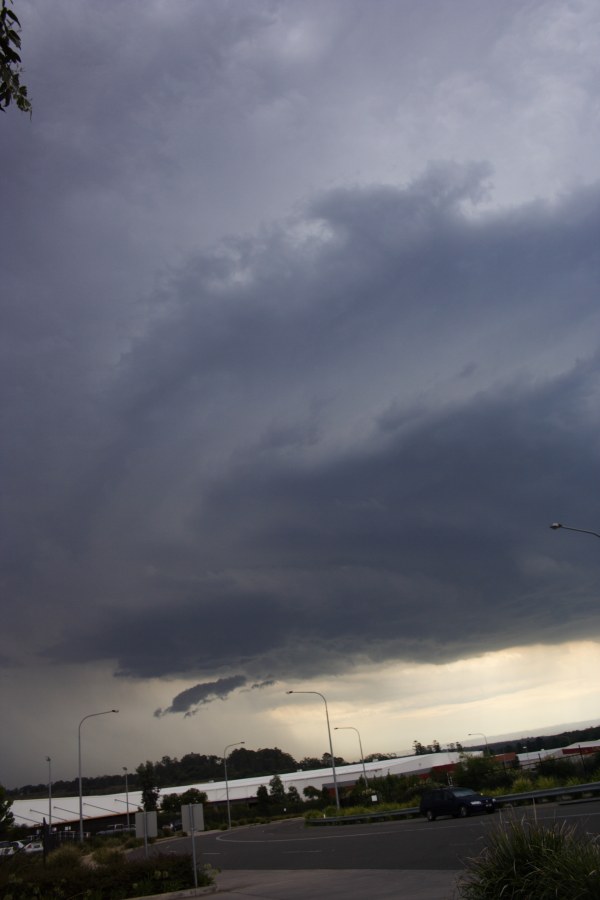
481,773
308,763
150,792
10,61
172,803
293,798
6,817
193,795
262,799
277,791
311,793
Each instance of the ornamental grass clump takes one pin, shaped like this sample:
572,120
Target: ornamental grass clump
528,861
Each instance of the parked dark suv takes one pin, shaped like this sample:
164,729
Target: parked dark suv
454,801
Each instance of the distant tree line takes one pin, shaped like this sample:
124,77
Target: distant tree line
194,768
549,742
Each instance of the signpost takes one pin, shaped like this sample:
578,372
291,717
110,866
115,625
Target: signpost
146,826
192,820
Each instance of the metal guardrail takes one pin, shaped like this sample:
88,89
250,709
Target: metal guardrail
365,817
566,794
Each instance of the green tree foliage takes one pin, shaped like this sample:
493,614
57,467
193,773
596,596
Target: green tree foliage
277,792
481,773
561,769
241,763
147,781
326,761
190,768
420,749
172,803
244,763
399,789
311,793
193,795
308,763
10,61
263,801
293,799
6,817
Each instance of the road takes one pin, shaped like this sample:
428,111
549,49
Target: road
413,844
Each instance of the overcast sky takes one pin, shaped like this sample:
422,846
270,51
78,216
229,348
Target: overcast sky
300,359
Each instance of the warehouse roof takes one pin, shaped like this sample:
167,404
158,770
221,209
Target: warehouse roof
98,806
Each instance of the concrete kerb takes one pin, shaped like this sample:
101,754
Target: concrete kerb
180,895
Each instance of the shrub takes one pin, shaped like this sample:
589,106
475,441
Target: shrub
546,782
313,814
527,861
114,879
522,785
69,855
106,856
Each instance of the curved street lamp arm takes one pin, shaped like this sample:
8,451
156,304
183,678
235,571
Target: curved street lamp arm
556,525
333,772
104,712
235,744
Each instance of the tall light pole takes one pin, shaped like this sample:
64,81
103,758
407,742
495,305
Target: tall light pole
236,744
362,756
49,761
104,712
335,785
556,525
481,734
126,794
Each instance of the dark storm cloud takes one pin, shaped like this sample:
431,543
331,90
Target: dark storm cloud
342,440
430,547
189,701
201,694
280,394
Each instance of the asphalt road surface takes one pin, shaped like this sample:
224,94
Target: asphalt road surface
406,844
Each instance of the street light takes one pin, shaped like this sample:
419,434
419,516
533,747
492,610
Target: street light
335,785
44,815
104,712
362,756
139,808
126,794
481,734
556,525
236,744
49,761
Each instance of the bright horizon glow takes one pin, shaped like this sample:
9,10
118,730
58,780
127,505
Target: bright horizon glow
521,691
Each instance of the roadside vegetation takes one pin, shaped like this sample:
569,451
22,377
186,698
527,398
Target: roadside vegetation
104,873
527,861
482,773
